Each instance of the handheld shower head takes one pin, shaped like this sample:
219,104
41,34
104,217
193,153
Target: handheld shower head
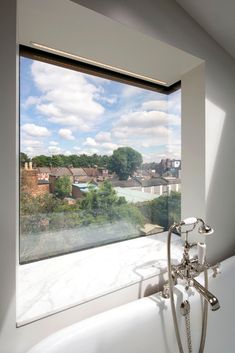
189,221
205,229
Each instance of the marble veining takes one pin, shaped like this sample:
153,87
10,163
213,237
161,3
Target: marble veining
50,285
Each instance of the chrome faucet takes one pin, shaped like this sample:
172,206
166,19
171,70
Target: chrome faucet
210,298
187,270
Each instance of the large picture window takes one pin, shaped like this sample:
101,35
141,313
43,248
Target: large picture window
100,160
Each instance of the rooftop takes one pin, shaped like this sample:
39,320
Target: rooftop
91,172
62,171
153,182
44,169
85,187
135,195
125,183
78,171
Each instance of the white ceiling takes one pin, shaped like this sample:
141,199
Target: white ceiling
217,17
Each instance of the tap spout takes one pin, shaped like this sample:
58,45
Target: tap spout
210,298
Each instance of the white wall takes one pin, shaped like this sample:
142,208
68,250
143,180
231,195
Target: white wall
8,169
193,143
167,21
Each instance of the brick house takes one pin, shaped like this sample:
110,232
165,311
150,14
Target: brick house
43,173
58,173
31,184
80,189
79,175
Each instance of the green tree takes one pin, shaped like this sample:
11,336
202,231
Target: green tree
42,161
45,203
165,210
23,159
63,187
124,162
104,205
58,160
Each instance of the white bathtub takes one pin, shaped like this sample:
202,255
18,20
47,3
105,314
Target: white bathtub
145,325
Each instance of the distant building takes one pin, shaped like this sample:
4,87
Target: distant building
130,183
103,173
134,196
76,175
154,186
79,189
79,175
145,174
169,167
91,172
173,184
58,173
43,173
176,163
31,184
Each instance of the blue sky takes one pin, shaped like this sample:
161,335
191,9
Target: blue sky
64,111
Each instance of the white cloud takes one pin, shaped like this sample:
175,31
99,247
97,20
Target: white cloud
139,129
54,150
167,151
68,98
31,101
35,130
93,146
103,136
74,102
161,105
89,151
141,137
28,142
66,134
147,119
48,109
30,151
145,129
130,91
174,102
33,148
109,100
108,147
53,143
90,142
173,150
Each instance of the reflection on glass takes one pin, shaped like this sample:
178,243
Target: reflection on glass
99,162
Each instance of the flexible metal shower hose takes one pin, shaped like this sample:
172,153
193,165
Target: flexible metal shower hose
188,332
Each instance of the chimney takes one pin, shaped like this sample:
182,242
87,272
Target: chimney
30,165
26,167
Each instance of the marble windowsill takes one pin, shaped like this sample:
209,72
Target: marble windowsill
51,285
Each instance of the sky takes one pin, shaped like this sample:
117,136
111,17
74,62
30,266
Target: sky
67,112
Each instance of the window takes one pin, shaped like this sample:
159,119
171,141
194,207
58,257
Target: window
100,157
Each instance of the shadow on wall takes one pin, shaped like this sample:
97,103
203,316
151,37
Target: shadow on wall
213,138
6,334
220,191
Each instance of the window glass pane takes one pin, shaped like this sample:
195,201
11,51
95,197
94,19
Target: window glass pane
100,160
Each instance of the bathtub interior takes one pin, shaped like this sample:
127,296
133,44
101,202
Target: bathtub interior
145,325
